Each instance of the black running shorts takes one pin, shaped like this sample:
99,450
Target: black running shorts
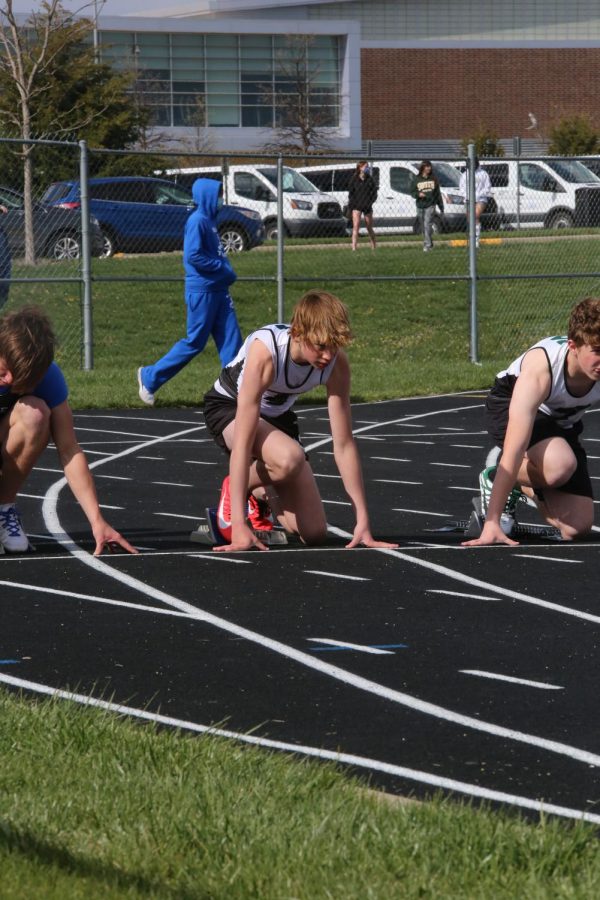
219,411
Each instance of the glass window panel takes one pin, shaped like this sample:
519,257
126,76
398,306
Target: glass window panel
223,114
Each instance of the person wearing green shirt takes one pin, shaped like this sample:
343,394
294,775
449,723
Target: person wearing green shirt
426,191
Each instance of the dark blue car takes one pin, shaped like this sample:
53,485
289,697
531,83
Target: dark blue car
147,215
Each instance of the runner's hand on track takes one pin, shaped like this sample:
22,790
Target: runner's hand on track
364,537
242,538
490,534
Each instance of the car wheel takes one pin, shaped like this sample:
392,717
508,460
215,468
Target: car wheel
271,230
64,246
233,239
108,245
562,219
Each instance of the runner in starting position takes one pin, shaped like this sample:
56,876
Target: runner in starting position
249,414
534,413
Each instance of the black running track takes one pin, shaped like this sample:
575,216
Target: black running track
431,667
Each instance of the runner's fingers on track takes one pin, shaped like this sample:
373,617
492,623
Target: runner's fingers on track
113,545
254,544
488,542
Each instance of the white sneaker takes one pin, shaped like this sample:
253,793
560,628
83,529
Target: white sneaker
12,536
145,395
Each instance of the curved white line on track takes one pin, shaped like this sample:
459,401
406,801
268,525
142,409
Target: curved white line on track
53,525
363,762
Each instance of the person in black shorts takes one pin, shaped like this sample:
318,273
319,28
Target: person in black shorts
362,194
534,414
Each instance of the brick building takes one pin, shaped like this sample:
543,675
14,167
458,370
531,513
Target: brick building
383,70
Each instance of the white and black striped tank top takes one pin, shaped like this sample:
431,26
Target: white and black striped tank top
290,379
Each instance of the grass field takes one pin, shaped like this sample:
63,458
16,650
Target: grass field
412,336
96,807
92,806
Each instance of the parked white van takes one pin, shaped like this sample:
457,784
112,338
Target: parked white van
548,193
306,211
395,208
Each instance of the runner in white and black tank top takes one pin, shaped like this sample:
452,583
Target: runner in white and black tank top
291,380
558,416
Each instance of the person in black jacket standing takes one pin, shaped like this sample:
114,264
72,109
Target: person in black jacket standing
362,194
426,191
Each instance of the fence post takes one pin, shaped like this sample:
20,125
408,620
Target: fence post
280,228
86,264
474,342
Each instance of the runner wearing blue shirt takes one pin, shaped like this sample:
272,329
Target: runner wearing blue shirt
34,409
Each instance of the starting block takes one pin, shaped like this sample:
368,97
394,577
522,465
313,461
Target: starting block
208,533
472,527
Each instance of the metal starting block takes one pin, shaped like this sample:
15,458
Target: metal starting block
208,533
472,527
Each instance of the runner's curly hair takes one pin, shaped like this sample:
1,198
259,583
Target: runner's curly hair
321,318
27,343
584,323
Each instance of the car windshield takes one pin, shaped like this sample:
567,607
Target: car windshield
447,175
56,191
573,171
293,182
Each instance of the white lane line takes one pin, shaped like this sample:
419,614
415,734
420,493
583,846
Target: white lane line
542,685
548,558
455,487
173,484
337,502
191,462
350,759
476,582
106,506
391,459
154,458
376,651
451,465
139,436
459,594
31,496
469,446
180,516
370,437
394,481
335,575
145,417
220,557
450,428
421,512
161,611
322,475
406,441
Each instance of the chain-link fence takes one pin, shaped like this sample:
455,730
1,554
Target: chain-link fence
82,226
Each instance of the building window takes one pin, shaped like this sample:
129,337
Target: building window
228,80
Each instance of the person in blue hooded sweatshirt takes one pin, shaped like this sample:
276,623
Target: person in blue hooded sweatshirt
210,309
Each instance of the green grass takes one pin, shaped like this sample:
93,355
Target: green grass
412,337
93,806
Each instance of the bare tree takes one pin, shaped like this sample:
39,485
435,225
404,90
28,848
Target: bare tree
30,54
299,101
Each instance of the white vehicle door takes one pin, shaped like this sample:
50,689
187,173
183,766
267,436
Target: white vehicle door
539,193
396,206
253,193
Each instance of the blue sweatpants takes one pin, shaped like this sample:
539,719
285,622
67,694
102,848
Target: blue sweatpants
207,314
